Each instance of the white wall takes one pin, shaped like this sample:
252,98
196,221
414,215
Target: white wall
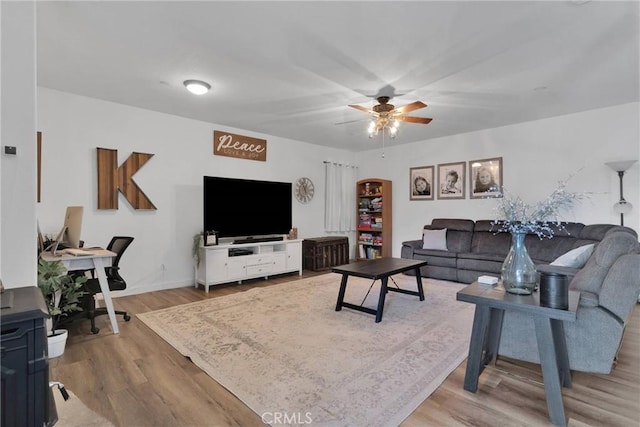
160,256
536,155
18,129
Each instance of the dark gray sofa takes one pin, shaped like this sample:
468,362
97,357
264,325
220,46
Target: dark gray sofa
475,248
609,283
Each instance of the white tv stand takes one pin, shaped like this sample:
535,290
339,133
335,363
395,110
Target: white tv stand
262,259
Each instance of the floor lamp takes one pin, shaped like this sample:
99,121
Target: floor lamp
622,207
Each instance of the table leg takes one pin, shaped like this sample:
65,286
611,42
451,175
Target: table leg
550,374
383,294
476,344
557,329
106,292
494,330
343,288
419,281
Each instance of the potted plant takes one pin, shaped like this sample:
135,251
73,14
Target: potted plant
198,240
62,293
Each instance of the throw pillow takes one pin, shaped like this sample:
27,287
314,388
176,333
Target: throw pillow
575,258
435,239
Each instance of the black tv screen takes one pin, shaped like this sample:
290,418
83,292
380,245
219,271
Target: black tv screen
242,207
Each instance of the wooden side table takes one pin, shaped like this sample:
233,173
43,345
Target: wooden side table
491,303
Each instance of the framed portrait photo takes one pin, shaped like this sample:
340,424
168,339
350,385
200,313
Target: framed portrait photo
421,185
485,178
451,179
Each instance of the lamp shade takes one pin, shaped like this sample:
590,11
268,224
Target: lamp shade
621,166
622,207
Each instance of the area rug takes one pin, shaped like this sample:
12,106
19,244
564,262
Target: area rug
288,355
74,413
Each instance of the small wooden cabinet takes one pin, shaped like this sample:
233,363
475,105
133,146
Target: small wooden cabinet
230,263
373,234
322,253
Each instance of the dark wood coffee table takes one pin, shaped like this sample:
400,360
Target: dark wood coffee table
381,268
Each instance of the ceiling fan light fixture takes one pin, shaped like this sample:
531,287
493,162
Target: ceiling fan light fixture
387,117
197,87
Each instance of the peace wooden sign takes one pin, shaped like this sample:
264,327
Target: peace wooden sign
239,146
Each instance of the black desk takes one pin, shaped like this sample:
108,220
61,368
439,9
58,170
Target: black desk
491,303
381,268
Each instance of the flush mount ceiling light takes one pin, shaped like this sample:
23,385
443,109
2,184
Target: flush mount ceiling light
197,87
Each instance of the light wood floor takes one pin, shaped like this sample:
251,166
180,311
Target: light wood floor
137,379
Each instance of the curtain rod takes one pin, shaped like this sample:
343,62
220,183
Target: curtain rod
338,164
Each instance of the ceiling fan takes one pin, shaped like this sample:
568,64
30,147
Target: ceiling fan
386,115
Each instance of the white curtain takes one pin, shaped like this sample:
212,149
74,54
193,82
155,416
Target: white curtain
339,198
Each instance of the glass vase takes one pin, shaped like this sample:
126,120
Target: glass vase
518,271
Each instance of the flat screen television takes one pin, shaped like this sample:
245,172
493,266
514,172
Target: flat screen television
246,208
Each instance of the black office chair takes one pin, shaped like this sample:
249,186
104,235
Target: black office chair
118,244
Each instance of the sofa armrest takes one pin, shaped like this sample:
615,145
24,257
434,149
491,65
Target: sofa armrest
409,247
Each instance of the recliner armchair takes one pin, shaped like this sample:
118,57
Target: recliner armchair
118,244
609,285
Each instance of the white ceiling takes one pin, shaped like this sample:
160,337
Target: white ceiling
290,69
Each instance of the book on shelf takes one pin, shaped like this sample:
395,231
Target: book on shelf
371,252
376,204
366,238
361,251
365,221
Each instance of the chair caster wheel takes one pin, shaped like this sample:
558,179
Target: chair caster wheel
95,330
126,317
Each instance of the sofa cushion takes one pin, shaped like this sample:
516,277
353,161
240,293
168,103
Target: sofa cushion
434,239
436,257
459,232
614,245
481,256
489,263
619,291
486,239
575,258
597,232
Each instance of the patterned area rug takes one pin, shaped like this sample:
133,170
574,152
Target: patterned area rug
288,355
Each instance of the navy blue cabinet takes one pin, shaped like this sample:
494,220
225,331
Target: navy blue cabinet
23,364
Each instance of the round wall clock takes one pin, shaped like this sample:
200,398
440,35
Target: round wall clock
304,190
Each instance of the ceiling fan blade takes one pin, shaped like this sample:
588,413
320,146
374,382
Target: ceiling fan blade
411,107
361,108
410,119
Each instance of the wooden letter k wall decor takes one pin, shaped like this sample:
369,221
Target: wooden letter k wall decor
112,179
